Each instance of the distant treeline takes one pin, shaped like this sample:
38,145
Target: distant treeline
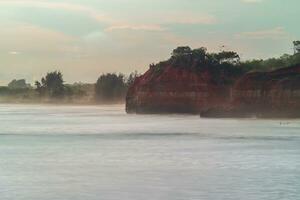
109,88
225,66
113,87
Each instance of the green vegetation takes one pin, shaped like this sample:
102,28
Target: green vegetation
200,58
16,94
112,87
131,78
19,84
296,47
225,63
52,85
272,63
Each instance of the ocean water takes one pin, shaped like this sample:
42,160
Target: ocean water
100,153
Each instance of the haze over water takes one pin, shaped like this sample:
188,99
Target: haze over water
99,152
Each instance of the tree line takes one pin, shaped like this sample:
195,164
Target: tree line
109,88
200,58
225,66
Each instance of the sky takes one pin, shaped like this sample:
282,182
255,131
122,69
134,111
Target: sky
85,38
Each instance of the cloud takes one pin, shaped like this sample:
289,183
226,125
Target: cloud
275,33
186,18
93,13
14,52
252,1
112,24
27,38
136,27
136,39
147,22
159,21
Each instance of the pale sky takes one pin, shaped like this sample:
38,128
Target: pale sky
85,38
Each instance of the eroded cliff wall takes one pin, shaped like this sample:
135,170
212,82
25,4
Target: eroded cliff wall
175,90
269,93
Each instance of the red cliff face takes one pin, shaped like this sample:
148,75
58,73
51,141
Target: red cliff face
274,92
175,90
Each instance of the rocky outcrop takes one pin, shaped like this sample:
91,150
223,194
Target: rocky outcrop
170,89
191,81
214,85
274,93
180,90
264,94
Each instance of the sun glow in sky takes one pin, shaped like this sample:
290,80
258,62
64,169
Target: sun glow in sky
84,38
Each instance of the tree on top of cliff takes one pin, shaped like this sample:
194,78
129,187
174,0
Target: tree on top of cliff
200,58
182,51
131,78
296,46
230,57
223,66
224,62
270,64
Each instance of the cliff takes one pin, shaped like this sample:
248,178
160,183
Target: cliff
189,82
270,94
170,88
174,90
273,94
214,85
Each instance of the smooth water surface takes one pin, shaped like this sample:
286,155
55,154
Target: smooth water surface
99,152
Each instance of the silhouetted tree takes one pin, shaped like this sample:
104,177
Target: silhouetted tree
285,60
111,87
200,54
230,57
131,78
52,85
296,46
182,51
18,84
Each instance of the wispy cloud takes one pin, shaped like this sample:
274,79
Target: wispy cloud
187,18
159,21
136,27
252,1
14,52
156,22
275,33
93,13
20,37
112,24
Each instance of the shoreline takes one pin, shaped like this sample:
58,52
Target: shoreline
272,115
61,104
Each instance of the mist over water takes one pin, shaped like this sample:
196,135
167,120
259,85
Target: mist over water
99,152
